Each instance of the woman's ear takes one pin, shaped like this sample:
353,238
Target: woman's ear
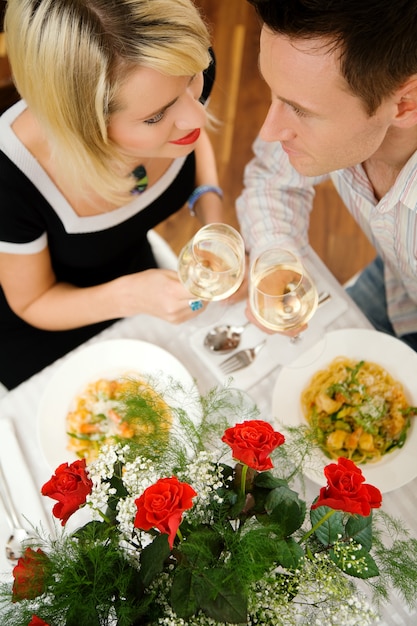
406,103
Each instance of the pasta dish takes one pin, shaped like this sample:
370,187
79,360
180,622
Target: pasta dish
103,415
356,410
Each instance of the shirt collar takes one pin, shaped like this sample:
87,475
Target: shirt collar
404,190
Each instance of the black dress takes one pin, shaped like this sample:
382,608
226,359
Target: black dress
85,251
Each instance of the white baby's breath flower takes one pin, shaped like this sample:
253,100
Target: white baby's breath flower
102,468
138,475
100,471
126,511
205,476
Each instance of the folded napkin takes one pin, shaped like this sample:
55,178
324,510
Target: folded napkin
278,350
26,496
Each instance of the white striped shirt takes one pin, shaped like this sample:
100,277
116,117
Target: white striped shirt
274,209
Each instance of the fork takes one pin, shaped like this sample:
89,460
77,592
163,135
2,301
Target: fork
246,357
241,359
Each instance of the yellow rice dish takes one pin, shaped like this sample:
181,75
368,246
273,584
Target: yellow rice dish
356,410
101,415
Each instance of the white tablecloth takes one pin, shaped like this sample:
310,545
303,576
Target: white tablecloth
21,404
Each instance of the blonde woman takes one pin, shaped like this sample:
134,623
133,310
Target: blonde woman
107,141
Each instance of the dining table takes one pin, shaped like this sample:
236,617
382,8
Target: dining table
27,468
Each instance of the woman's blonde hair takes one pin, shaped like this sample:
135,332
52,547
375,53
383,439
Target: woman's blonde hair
69,59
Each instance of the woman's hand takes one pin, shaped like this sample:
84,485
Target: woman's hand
157,292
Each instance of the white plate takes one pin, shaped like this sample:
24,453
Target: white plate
109,359
396,468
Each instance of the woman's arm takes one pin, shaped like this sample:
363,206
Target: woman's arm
209,207
33,293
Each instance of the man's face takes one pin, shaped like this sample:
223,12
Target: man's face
321,125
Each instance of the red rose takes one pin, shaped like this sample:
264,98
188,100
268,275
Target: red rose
346,491
252,442
161,506
70,485
29,575
37,621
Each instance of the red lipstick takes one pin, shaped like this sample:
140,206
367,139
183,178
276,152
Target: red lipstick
190,138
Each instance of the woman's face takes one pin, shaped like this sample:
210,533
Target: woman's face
158,115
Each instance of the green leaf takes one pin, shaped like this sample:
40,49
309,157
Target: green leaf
256,553
203,547
238,505
259,550
263,484
357,563
266,480
72,617
183,600
221,597
285,510
289,553
153,557
360,529
92,531
332,529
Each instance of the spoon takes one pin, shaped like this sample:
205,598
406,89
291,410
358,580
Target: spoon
225,338
15,543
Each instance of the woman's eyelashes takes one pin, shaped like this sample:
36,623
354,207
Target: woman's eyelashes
156,118
160,116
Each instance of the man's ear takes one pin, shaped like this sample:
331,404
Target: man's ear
406,103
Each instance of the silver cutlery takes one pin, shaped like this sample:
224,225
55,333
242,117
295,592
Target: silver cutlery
224,338
19,535
324,296
241,359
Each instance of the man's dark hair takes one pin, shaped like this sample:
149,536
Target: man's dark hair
376,39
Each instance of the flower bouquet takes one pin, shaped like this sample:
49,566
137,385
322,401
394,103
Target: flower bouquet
190,539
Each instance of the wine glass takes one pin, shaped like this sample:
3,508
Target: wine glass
212,267
212,264
282,294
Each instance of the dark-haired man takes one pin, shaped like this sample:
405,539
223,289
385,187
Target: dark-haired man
343,79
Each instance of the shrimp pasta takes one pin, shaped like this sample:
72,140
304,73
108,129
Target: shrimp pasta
356,410
100,416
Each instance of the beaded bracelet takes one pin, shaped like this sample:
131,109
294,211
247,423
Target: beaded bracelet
198,192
